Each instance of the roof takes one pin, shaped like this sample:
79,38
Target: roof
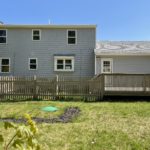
50,26
122,48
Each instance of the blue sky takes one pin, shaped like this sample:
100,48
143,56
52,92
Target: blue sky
115,19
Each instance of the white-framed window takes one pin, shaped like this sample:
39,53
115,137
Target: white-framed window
72,37
3,36
106,65
63,63
33,65
36,35
4,65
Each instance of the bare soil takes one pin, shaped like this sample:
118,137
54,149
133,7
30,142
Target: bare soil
69,114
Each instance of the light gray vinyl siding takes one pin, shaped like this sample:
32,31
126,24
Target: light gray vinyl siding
127,64
20,48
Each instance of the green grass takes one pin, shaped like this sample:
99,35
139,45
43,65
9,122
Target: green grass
100,126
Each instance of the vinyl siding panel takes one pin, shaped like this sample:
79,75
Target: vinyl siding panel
127,64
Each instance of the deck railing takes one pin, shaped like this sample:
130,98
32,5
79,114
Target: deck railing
127,84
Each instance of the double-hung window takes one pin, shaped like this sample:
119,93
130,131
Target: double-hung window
64,63
3,36
106,65
72,37
36,35
5,65
32,63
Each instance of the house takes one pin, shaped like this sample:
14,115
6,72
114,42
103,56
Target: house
132,57
47,50
50,50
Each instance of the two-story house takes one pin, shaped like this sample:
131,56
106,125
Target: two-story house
47,50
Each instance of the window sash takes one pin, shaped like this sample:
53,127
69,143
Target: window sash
33,67
32,63
2,40
3,36
36,36
5,66
70,35
72,39
36,32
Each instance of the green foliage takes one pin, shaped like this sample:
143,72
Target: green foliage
1,139
24,137
8,125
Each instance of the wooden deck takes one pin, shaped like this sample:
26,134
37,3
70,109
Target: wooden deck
126,84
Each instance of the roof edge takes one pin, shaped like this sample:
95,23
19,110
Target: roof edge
9,26
121,54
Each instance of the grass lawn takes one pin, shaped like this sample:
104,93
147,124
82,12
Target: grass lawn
100,126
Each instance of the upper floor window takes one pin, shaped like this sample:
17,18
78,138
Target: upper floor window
64,63
5,65
72,36
3,35
32,63
36,35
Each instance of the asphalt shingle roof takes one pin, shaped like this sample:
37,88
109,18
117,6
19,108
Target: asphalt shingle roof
122,48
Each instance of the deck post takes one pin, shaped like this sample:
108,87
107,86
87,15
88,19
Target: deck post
102,84
35,94
57,85
144,84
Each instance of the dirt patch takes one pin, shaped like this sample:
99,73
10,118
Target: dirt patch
67,116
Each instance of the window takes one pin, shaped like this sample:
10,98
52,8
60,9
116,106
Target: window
36,35
3,35
72,36
106,65
64,63
5,65
32,63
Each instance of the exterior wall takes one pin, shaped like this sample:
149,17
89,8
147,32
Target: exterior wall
20,48
127,64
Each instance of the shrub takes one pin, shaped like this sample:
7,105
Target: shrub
24,137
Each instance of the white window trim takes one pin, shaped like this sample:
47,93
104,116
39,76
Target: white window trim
29,64
1,64
63,58
39,34
4,36
111,62
70,37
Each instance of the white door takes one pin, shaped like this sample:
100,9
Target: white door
107,68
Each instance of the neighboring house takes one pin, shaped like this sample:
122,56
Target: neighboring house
122,57
47,50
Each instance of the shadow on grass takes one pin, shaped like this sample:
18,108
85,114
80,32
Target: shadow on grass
105,99
18,100
126,99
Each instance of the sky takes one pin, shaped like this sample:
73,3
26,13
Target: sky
115,19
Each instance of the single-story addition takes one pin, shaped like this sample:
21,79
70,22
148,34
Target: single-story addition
130,57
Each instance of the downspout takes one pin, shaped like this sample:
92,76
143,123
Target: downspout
13,67
95,71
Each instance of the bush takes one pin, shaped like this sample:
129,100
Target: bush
24,137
